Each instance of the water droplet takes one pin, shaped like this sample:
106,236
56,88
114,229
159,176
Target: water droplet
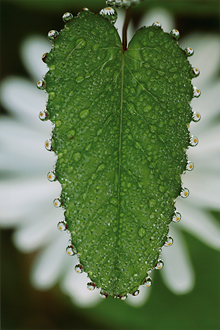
141,232
44,57
85,9
41,84
71,134
70,250
193,141
80,43
57,202
48,145
90,286
196,116
43,115
196,92
79,268
103,295
189,166
176,217
136,293
62,225
188,51
51,176
157,24
184,193
169,241
175,34
109,13
147,282
77,156
110,2
124,297
52,34
159,264
67,17
196,72
83,114
79,79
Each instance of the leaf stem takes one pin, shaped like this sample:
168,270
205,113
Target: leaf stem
125,28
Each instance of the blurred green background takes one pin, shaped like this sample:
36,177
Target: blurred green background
23,307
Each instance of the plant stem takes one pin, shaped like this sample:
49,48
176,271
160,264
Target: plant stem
125,28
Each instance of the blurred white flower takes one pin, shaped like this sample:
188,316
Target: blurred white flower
26,195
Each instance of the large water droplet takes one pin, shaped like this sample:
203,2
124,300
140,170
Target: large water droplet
136,293
189,166
51,176
41,84
103,295
196,92
196,116
157,24
159,264
48,145
57,202
70,250
147,282
109,13
62,225
176,217
193,141
124,297
169,241
67,17
79,268
175,34
43,115
52,34
188,51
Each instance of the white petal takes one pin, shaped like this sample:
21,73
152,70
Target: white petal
204,189
119,25
161,15
23,148
201,224
38,231
75,285
140,299
177,272
32,49
51,263
206,55
19,199
23,99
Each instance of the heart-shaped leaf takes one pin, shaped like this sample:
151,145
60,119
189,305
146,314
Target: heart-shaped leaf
120,133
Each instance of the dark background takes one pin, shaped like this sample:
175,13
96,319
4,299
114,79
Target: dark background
23,307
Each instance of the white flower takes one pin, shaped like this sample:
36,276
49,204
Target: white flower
26,195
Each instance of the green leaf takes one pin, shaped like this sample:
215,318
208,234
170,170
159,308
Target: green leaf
120,133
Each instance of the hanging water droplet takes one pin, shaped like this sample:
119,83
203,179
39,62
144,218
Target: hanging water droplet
193,141
103,295
43,115
52,34
62,225
196,92
176,217
44,57
159,264
136,293
157,24
67,17
184,193
109,13
196,72
51,176
147,282
90,286
141,232
175,34
70,250
169,241
110,2
196,116
48,145
189,166
79,268
124,297
41,84
57,202
188,51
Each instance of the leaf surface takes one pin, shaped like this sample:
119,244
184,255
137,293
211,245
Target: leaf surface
120,135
